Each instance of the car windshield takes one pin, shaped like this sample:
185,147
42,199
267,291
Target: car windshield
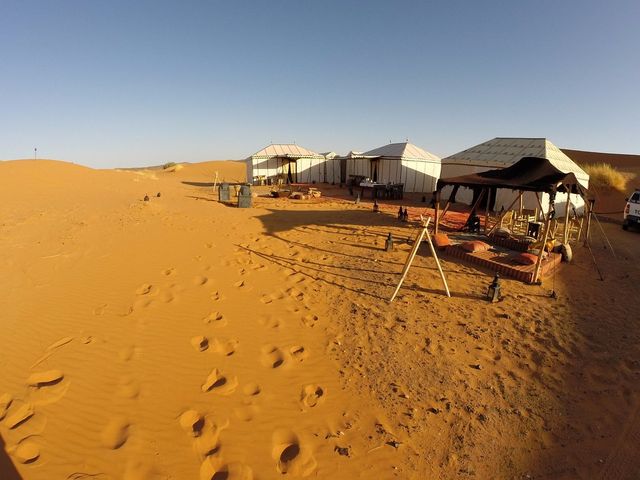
635,198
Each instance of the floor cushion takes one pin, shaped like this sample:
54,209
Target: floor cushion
476,246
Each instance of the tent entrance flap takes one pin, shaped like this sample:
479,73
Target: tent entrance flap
292,171
375,163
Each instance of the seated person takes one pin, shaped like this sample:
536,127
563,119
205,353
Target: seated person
473,223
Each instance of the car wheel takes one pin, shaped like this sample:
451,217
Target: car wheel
625,226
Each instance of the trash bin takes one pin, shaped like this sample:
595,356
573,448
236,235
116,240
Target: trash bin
224,193
244,196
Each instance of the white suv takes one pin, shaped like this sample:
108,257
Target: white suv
632,211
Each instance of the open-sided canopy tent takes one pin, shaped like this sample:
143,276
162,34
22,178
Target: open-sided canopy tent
504,152
292,163
404,163
530,174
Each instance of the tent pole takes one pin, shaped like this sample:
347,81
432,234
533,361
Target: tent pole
521,203
435,257
519,197
580,230
540,205
486,210
544,243
587,232
566,217
437,202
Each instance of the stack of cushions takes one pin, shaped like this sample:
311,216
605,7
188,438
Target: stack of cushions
441,240
476,246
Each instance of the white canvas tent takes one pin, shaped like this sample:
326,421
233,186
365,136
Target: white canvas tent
404,163
503,152
289,162
331,167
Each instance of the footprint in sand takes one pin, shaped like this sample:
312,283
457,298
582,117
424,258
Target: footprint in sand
225,347
192,422
310,320
270,322
208,440
295,293
115,433
240,284
214,468
200,280
219,383
25,452
169,271
298,353
292,457
216,319
200,343
146,289
272,356
251,389
44,379
5,402
217,296
21,415
246,412
100,309
311,395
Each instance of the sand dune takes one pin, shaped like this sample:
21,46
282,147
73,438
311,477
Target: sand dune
181,338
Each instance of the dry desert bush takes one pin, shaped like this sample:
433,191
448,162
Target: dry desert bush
605,175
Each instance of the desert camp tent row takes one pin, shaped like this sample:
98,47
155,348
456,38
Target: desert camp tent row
403,163
418,169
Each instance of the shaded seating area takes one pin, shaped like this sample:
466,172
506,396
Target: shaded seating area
505,262
516,229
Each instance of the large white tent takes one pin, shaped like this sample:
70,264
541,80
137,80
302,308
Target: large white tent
404,163
503,152
289,162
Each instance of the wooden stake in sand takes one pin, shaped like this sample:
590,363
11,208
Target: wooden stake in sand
215,181
423,232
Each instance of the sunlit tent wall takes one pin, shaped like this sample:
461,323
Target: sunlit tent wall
404,163
331,167
289,162
502,153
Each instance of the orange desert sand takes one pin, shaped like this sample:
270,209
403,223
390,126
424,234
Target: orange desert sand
183,339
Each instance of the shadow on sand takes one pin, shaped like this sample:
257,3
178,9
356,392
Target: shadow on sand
198,184
358,264
7,469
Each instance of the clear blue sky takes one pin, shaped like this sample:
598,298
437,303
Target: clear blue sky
118,83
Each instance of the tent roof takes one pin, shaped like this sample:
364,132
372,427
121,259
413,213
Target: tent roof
502,152
402,150
532,174
290,150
